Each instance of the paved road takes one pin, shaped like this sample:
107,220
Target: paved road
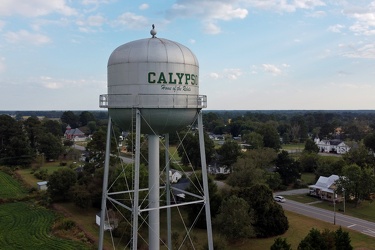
343,220
126,160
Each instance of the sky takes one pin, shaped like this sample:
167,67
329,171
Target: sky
253,54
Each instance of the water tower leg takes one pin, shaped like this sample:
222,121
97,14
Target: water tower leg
168,194
135,211
154,186
205,181
105,184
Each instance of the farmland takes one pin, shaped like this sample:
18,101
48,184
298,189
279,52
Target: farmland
11,189
24,226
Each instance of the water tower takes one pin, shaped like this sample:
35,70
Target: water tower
153,86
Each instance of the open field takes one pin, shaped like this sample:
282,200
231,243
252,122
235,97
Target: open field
24,226
10,188
299,227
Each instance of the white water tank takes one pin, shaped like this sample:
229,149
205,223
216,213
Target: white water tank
160,78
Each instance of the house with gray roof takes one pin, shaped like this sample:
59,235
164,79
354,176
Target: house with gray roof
332,146
74,134
325,188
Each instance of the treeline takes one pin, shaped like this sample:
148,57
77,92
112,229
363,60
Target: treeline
294,126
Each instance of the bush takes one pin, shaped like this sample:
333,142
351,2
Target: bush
220,177
41,174
65,224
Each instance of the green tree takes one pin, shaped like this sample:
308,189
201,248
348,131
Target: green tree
68,117
273,180
359,182
271,138
245,173
369,141
313,241
53,127
60,183
309,162
229,152
85,117
287,167
254,139
311,147
195,212
281,244
15,147
50,146
234,221
359,156
326,240
33,128
342,240
269,217
190,150
97,146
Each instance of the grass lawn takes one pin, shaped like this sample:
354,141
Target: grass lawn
29,177
293,146
308,178
299,227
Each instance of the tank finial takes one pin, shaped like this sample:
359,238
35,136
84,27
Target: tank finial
153,31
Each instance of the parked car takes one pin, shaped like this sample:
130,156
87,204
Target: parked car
279,198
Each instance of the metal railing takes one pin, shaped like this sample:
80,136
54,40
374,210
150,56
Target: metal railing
152,101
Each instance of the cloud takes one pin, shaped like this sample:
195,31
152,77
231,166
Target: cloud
52,83
231,74
144,6
271,69
87,25
2,24
214,75
35,8
336,28
317,14
285,5
2,64
192,41
364,19
209,11
358,51
26,37
131,21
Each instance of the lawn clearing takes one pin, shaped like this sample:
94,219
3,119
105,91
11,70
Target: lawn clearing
299,227
298,147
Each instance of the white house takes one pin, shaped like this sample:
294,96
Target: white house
42,185
110,223
329,146
218,170
174,176
325,188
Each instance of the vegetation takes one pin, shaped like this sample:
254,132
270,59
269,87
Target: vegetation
326,240
25,226
256,172
10,188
